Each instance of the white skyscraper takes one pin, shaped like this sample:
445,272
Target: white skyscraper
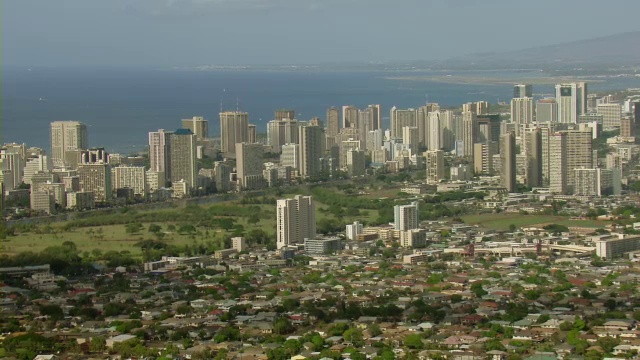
406,216
295,220
571,100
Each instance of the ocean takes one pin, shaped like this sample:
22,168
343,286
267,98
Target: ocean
121,106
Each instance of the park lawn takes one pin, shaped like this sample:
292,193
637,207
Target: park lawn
503,221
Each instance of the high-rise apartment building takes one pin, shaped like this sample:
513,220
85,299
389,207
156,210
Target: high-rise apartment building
568,150
401,118
356,162
521,112
198,126
469,132
410,138
280,132
295,220
181,152
290,156
533,153
252,134
522,91
234,128
333,122
284,114
626,127
434,130
222,176
435,166
249,165
406,217
508,161
67,136
130,177
97,179
311,150
349,116
158,152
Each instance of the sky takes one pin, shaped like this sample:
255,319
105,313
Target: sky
182,33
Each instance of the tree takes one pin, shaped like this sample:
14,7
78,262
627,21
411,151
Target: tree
155,228
98,344
353,336
133,228
54,312
282,326
413,341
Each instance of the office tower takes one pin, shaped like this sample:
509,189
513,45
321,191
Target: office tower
222,176
405,217
333,122
295,220
345,147
158,152
356,163
469,132
198,126
572,101
252,134
626,127
311,150
249,165
533,153
181,152
479,107
284,114
401,118
611,115
97,179
234,128
508,161
521,112
435,166
290,156
67,136
410,137
547,110
522,91
130,177
280,132
71,183
349,116
483,157
33,165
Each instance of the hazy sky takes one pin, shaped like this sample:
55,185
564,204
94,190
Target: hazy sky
162,33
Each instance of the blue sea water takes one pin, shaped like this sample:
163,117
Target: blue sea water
120,107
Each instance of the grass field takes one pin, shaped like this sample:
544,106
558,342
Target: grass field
502,221
114,237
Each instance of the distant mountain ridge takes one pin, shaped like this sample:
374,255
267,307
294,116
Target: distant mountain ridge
613,50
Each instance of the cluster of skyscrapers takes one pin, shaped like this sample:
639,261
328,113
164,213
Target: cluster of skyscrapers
544,143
